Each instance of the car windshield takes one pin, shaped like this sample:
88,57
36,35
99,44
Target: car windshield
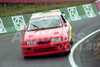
44,23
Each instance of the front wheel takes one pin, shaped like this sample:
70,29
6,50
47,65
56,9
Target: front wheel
67,52
26,57
71,41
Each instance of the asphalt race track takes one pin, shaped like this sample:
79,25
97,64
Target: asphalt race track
11,55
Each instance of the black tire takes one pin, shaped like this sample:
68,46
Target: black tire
67,53
71,42
25,57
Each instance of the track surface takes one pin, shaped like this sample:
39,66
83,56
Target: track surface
10,48
88,52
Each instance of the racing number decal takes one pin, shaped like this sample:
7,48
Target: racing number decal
73,13
89,10
19,22
2,29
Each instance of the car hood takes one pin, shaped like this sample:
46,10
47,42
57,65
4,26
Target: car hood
45,34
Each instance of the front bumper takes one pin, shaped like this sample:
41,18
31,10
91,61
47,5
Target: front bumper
45,49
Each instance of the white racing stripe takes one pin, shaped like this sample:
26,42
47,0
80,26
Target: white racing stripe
71,59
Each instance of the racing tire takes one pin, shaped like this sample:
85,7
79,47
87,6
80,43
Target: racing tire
25,57
67,52
71,42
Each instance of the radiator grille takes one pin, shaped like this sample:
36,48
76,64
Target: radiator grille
44,50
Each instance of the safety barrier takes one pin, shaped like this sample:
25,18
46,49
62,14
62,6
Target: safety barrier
80,12
18,23
13,23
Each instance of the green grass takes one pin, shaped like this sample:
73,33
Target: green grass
16,9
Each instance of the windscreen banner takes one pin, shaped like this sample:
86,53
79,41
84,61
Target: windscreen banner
46,1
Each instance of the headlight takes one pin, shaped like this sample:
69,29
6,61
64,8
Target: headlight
56,39
31,43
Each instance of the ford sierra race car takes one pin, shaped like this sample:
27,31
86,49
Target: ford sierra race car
47,34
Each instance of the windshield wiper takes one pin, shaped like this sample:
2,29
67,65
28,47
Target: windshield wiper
43,28
55,27
35,26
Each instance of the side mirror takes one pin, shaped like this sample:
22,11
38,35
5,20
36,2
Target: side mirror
65,24
25,29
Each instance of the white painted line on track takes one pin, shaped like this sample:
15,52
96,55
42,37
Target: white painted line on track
71,58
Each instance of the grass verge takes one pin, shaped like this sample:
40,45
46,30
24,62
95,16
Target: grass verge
15,9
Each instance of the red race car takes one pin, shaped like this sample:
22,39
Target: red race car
47,34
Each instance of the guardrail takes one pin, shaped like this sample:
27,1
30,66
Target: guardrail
18,23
